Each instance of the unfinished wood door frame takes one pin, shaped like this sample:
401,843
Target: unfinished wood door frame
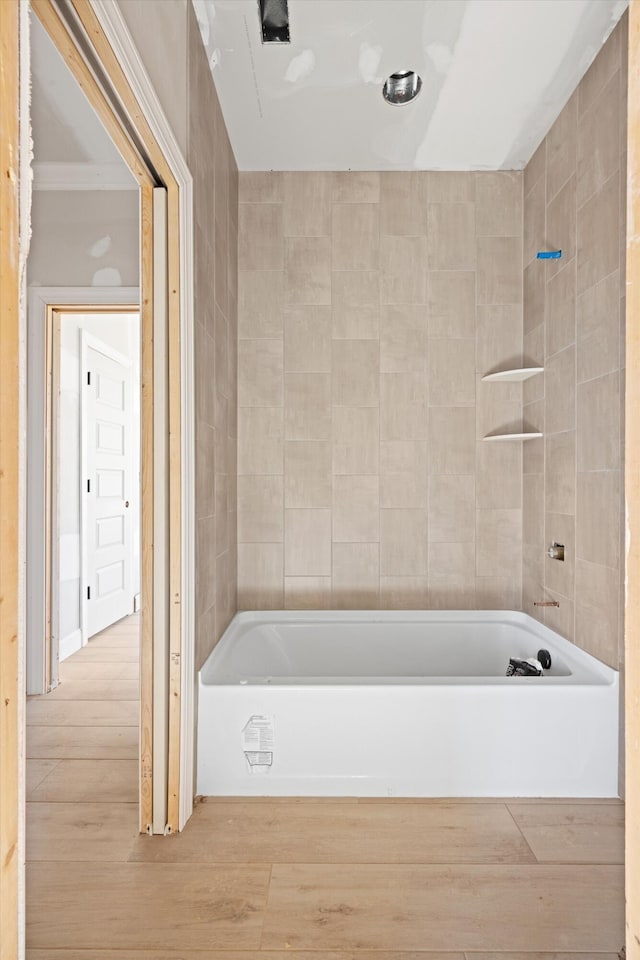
135,104
632,495
11,328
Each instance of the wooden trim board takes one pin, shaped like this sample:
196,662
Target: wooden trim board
632,493
10,687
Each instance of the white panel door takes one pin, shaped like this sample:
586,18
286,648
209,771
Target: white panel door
109,485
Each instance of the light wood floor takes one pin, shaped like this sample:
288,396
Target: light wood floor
264,880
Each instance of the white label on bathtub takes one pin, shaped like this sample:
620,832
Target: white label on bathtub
257,743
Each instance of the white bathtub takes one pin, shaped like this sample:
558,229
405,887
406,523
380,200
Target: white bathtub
407,704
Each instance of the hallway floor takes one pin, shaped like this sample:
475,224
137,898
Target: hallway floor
305,879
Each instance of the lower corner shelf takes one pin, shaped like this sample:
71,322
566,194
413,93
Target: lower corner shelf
495,437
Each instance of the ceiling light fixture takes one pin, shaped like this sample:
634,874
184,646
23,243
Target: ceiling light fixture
274,21
402,87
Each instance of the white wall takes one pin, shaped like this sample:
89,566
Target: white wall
122,332
84,238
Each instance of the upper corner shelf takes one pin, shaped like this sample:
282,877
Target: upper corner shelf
496,437
511,376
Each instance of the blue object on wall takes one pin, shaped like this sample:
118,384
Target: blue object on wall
549,254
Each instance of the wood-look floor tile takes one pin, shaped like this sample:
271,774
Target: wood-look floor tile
82,743
79,781
464,907
74,670
542,956
155,906
187,954
92,690
573,833
35,773
105,654
344,833
75,713
81,831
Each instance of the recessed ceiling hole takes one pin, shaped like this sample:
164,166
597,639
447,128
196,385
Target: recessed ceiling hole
402,87
274,21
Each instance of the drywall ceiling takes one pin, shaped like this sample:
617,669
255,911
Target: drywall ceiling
496,75
71,147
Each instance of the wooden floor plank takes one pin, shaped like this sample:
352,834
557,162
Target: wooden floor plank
92,690
154,906
573,833
36,771
463,907
542,956
342,833
83,781
187,954
74,713
82,743
81,831
105,654
93,670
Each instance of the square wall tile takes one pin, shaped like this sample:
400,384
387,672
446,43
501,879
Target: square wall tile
498,338
404,593
499,204
403,339
307,473
452,440
498,542
403,543
562,147
260,226
307,406
598,235
355,186
356,369
260,509
448,561
559,575
452,372
403,203
598,403
403,473
598,518
452,509
260,373
561,226
533,531
260,440
307,339
355,236
307,543
261,186
403,269
560,391
451,187
260,304
561,309
499,475
307,276
403,406
535,219
356,503
499,277
599,141
560,472
356,288
356,576
597,610
452,303
307,593
451,231
260,576
356,440
307,204
598,329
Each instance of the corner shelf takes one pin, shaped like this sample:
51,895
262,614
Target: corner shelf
513,376
498,437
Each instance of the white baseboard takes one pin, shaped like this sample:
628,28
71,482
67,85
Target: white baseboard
137,601
70,644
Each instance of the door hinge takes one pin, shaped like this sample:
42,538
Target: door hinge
88,378
88,593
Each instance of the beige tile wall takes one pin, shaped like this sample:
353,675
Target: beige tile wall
369,307
215,175
575,196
